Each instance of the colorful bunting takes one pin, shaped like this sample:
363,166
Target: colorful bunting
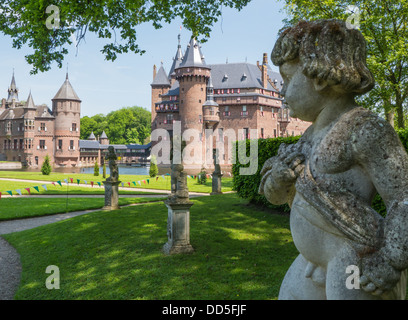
28,190
134,183
147,181
140,184
85,182
59,182
123,184
53,183
18,191
128,184
92,183
78,181
10,193
72,180
99,184
44,186
65,180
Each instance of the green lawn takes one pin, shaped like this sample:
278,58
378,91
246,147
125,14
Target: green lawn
241,252
70,188
13,208
159,183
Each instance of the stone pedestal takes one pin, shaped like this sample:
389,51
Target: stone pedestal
111,195
216,183
178,227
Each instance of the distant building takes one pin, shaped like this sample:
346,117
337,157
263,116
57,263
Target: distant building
28,132
228,97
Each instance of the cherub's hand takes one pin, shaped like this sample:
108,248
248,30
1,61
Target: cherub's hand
377,275
282,169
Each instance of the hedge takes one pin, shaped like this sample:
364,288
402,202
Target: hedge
247,186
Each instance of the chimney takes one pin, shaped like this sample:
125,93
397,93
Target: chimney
154,72
265,71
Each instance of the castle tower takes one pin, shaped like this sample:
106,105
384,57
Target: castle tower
160,85
192,75
103,139
66,108
12,93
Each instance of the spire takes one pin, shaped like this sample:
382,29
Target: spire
30,101
193,56
66,92
103,135
12,90
178,58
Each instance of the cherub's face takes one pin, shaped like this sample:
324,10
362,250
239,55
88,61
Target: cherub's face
300,94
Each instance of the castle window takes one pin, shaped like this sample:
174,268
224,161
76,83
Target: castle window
262,133
59,144
71,145
42,126
42,144
74,127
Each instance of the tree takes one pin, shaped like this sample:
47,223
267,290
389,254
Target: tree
46,166
27,22
154,170
384,26
104,170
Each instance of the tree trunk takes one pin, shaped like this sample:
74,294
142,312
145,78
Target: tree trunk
389,116
400,112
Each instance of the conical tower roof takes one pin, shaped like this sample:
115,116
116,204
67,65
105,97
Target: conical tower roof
91,136
193,56
66,92
161,78
103,135
210,95
30,101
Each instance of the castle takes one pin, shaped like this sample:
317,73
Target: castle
230,97
29,132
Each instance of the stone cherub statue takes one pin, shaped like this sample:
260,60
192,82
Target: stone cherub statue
178,178
113,167
331,175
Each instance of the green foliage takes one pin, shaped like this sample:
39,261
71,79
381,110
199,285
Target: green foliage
154,170
116,21
385,29
124,126
46,166
202,177
96,168
247,185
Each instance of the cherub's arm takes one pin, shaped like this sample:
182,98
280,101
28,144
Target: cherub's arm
279,175
377,148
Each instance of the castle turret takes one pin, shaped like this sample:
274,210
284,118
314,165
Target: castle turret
210,108
160,86
103,139
192,75
66,107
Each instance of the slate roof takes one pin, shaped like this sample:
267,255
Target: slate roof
193,56
43,112
161,78
66,92
139,146
13,92
89,144
235,76
91,136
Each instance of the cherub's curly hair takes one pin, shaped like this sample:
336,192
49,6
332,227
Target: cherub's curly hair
327,50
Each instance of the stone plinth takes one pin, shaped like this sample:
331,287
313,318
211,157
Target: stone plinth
111,195
178,227
216,183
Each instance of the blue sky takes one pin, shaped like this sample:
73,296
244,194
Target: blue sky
104,86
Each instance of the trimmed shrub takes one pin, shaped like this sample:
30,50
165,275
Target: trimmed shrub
247,185
154,170
96,168
202,177
46,166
